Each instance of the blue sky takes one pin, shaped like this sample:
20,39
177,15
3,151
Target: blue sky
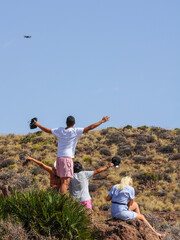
89,59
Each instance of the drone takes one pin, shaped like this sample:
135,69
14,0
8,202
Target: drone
26,36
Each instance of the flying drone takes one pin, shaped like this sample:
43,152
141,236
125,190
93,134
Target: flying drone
26,36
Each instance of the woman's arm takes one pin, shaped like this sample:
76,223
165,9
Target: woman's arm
45,167
102,169
130,203
108,198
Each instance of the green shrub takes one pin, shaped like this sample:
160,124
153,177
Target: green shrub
154,129
150,176
11,167
26,139
127,127
113,128
143,128
48,142
37,147
7,163
87,160
49,214
38,133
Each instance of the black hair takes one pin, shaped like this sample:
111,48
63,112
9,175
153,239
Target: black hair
70,121
77,167
55,172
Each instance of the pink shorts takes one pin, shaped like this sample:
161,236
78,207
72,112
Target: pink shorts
64,167
88,203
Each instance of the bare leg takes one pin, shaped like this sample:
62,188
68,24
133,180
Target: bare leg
142,218
134,207
64,185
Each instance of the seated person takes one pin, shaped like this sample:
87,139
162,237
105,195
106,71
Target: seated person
79,184
54,179
123,205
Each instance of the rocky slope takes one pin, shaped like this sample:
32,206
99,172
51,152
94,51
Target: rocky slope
150,155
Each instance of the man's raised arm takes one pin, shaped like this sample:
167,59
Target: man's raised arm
95,125
44,129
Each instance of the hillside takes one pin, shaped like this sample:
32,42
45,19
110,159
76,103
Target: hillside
150,155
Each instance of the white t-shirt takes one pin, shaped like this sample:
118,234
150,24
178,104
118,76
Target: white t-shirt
67,140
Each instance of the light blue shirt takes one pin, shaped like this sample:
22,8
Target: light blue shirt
122,196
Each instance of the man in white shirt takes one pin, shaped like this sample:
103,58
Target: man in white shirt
67,140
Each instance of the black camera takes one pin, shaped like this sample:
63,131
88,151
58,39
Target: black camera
32,125
116,161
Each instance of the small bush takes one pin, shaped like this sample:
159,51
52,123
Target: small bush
7,163
104,131
37,170
11,167
155,129
166,149
87,160
114,138
151,176
145,177
38,133
26,139
139,148
49,214
175,156
37,140
105,151
143,128
37,147
127,127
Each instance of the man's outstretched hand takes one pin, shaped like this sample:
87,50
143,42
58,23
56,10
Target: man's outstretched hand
105,119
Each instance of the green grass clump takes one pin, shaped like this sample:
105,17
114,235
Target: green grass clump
38,133
27,139
87,160
37,147
48,213
150,176
128,127
143,127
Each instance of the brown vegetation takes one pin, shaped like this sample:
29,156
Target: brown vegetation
150,155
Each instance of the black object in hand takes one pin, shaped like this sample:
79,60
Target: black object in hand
116,161
32,125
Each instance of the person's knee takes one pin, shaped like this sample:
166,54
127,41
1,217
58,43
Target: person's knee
141,217
133,207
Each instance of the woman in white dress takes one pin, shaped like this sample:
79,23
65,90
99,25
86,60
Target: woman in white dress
123,205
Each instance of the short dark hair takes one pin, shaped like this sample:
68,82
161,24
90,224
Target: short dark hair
70,121
77,167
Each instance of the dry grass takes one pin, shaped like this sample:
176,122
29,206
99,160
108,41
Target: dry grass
152,194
